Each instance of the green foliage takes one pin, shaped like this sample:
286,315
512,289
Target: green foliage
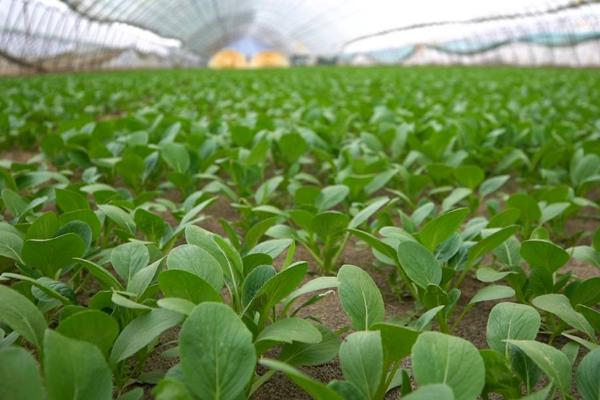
423,178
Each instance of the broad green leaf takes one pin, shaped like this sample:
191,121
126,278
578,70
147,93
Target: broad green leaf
583,168
490,185
504,218
361,360
499,378
553,362
509,252
278,287
329,223
44,227
442,227
586,254
181,306
143,278
455,197
397,340
314,388
364,214
375,243
14,203
93,326
527,205
492,292
171,389
487,274
217,355
419,264
46,288
124,300
559,305
186,285
544,254
129,258
588,376
52,255
293,146
489,243
331,196
437,391
22,316
176,156
151,224
317,284
142,331
119,216
469,175
266,189
360,297
424,320
290,330
100,273
75,369
441,358
272,248
298,353
68,200
422,212
552,211
193,259
84,215
508,321
256,280
19,375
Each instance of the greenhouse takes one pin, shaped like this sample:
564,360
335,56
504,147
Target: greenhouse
299,199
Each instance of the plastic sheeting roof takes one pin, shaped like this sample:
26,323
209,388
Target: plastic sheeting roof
299,26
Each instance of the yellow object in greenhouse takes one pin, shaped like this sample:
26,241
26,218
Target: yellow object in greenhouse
228,59
269,59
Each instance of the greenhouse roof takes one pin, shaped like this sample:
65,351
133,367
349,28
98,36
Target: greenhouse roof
302,26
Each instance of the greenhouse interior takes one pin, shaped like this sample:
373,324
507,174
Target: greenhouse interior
299,199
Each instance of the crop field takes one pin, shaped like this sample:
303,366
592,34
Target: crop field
325,233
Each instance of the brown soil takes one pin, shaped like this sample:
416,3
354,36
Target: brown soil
18,155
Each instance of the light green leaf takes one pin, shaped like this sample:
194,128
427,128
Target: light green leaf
437,391
52,255
559,305
419,264
509,321
492,292
19,375
141,331
22,316
361,360
330,196
588,376
553,362
129,258
290,330
193,259
364,214
92,326
442,227
544,254
75,370
217,355
188,286
360,297
441,358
